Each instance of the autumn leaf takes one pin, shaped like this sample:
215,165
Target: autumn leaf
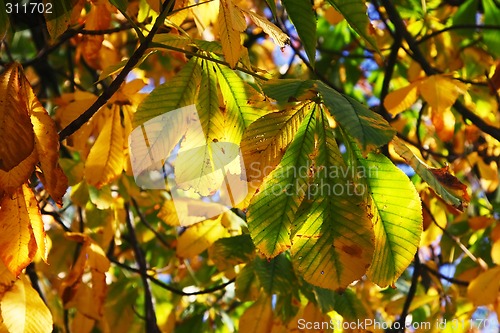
106,158
22,309
484,289
22,233
232,23
14,120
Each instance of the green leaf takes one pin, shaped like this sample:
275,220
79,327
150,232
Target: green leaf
266,140
368,128
207,104
246,285
302,15
332,237
354,11
272,210
272,6
115,68
466,15
4,20
177,92
349,306
232,251
423,171
396,213
58,18
240,102
492,17
276,276
289,90
177,41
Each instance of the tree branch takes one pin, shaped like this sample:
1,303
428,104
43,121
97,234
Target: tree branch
117,82
444,277
151,324
411,294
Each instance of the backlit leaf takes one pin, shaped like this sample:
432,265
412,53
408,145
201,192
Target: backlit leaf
395,210
258,317
302,15
441,181
484,289
401,99
230,27
279,37
106,158
23,310
18,243
332,237
265,141
273,209
14,120
289,90
177,92
46,146
441,91
240,101
355,14
368,128
199,237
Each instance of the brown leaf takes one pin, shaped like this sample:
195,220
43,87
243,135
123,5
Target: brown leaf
450,182
16,132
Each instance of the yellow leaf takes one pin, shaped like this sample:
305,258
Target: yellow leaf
258,317
82,324
106,158
441,91
230,19
24,311
483,290
444,123
401,99
46,145
495,252
200,237
18,244
10,181
35,220
279,37
7,279
16,131
489,175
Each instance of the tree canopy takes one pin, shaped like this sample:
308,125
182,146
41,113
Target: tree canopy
249,166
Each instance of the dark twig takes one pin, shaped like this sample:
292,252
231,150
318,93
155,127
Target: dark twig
169,287
459,27
151,324
148,225
120,78
444,277
411,293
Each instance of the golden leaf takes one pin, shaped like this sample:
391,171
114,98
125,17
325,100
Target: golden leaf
401,99
46,145
18,242
10,181
106,158
441,91
23,310
16,131
258,317
273,31
230,26
200,237
483,290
